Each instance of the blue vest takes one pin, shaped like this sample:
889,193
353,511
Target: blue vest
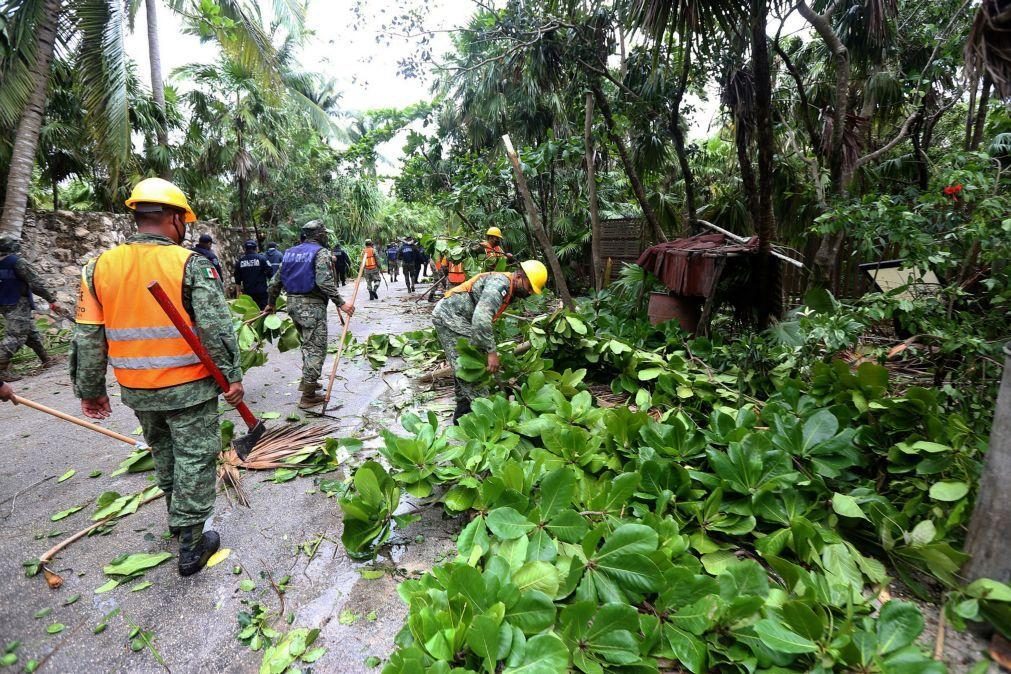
391,253
12,288
298,268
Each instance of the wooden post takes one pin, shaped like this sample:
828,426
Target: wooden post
987,541
538,226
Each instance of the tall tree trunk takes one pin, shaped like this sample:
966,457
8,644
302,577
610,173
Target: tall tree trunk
765,224
626,162
971,114
822,25
748,182
157,84
984,103
597,262
985,544
26,136
680,148
691,209
535,223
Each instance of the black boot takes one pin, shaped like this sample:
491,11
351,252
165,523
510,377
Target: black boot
195,547
462,407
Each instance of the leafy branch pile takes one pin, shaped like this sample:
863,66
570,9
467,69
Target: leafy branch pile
255,330
755,538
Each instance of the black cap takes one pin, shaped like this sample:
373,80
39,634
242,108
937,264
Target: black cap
271,244
250,244
206,238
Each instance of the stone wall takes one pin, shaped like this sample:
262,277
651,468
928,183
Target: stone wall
60,242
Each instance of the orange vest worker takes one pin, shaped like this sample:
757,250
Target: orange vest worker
370,258
457,274
145,349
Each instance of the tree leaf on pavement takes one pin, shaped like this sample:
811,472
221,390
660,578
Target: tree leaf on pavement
55,628
66,476
66,513
132,564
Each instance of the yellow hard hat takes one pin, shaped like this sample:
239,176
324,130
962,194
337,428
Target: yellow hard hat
159,191
536,273
494,231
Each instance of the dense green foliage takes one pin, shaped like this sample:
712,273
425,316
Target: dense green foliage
733,517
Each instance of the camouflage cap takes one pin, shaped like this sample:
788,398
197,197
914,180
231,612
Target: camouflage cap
313,227
9,244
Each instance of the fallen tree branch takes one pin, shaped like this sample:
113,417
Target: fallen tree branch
54,579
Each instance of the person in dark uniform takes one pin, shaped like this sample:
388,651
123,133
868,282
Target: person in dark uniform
410,257
252,273
274,257
203,247
392,265
341,264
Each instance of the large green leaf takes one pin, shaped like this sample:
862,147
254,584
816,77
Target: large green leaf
780,638
507,523
543,654
899,623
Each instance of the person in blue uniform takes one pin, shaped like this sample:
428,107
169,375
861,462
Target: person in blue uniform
252,273
204,248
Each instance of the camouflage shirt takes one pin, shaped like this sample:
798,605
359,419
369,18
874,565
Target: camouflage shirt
26,272
472,313
204,301
326,285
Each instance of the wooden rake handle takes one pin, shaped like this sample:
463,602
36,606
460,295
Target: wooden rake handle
344,334
18,400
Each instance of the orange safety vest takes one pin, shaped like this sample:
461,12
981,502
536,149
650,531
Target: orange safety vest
491,251
457,274
467,285
370,258
145,349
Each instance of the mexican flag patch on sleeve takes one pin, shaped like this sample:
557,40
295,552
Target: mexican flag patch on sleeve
212,273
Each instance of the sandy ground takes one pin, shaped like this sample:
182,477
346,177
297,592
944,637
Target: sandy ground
194,620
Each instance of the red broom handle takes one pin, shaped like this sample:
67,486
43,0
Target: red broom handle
191,338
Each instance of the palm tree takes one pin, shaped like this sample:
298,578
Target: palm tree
96,28
26,82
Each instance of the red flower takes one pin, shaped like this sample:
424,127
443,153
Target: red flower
952,191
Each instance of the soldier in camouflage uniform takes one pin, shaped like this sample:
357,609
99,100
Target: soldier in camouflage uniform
307,276
18,280
179,420
469,311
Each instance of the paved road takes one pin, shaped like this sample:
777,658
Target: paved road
194,619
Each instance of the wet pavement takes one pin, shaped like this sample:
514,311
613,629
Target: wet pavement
194,620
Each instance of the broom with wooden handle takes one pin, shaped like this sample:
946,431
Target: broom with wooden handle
344,334
19,400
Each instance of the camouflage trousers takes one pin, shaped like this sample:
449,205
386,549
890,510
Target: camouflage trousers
309,316
464,391
410,271
19,328
185,444
394,267
373,278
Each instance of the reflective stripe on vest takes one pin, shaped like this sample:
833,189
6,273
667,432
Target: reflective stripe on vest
370,258
468,285
145,349
457,274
